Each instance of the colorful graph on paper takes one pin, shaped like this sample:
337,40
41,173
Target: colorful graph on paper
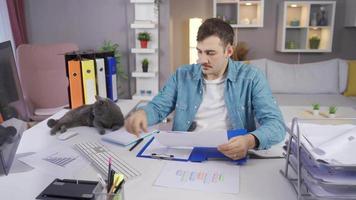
207,176
201,176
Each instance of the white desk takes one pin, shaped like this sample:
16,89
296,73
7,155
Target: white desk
259,179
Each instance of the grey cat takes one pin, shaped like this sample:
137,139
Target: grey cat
102,114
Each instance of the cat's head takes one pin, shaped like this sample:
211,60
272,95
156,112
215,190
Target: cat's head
102,105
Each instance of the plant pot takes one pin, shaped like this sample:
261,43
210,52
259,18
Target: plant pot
144,68
315,112
143,43
331,115
314,44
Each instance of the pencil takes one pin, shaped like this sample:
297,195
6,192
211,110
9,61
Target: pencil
137,143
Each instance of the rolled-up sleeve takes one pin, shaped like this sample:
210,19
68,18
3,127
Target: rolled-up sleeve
272,128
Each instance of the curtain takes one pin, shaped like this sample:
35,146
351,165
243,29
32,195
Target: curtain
17,21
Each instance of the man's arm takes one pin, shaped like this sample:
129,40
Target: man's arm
268,115
156,110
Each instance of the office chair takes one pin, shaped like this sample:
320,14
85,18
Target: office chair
43,77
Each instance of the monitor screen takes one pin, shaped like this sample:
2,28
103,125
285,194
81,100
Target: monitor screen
11,98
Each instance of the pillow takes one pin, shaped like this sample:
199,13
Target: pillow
310,78
260,64
343,72
351,82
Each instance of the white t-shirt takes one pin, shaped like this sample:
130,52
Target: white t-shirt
212,113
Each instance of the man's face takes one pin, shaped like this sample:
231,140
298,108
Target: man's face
213,57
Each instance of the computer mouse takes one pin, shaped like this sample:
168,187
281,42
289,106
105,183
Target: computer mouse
67,135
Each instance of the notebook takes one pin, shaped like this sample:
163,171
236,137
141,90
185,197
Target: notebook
122,137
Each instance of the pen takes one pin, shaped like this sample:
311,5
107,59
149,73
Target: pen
119,186
109,176
137,143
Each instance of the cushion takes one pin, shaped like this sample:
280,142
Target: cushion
343,72
260,64
310,78
351,81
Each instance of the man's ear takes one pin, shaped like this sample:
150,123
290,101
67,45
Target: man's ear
229,50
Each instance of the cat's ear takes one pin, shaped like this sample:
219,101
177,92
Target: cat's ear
98,98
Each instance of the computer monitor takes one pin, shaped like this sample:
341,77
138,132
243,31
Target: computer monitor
12,102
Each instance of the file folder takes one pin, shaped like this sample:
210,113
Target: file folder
100,77
75,84
89,84
197,154
111,78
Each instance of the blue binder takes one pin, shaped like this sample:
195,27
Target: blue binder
111,78
200,154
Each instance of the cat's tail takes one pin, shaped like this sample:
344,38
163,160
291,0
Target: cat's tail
51,123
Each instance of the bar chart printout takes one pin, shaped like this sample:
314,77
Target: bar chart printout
207,176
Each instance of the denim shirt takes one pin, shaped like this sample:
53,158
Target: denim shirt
247,97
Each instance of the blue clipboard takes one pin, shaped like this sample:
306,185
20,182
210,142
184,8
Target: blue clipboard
198,154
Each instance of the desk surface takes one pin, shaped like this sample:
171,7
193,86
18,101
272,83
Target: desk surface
259,179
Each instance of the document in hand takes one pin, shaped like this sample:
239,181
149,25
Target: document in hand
122,137
333,144
192,139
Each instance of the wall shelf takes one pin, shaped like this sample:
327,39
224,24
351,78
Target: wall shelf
140,74
142,50
143,24
240,13
146,20
299,21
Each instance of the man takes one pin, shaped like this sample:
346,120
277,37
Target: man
215,94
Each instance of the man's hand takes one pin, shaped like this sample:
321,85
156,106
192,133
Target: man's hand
237,146
136,123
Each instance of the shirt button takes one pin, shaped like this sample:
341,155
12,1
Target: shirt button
188,122
243,108
200,91
195,107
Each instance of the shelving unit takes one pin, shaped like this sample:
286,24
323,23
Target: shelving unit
146,20
299,21
240,13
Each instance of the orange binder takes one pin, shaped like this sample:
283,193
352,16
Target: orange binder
1,119
75,84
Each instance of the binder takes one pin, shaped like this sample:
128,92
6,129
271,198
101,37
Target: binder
197,154
75,84
100,77
111,78
89,84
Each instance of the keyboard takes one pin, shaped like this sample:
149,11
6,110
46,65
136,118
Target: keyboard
99,155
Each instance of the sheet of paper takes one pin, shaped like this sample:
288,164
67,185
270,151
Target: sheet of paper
208,176
155,148
122,137
59,161
331,143
192,139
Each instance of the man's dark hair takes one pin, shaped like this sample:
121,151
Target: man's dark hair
216,27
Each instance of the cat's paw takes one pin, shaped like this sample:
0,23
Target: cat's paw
102,131
53,132
114,128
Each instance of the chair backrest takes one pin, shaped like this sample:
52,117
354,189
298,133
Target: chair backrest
43,75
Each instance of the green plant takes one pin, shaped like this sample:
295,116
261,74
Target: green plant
110,46
145,61
144,36
316,106
314,42
332,109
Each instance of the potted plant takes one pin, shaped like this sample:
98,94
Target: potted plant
144,37
316,108
110,46
332,111
314,42
145,65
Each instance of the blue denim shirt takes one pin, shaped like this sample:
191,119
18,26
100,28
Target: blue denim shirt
247,97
